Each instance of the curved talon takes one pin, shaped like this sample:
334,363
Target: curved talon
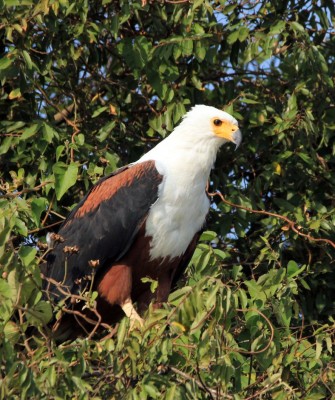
131,313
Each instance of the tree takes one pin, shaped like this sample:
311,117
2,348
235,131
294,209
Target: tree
90,87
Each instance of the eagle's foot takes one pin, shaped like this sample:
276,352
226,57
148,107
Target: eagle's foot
132,314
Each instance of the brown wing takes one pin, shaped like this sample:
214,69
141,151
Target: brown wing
103,225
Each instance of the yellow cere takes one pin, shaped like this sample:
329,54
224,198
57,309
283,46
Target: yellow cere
224,129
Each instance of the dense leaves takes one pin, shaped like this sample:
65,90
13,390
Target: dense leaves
89,86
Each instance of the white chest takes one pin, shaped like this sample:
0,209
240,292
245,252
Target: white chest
179,213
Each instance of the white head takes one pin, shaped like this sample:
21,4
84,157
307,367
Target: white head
209,122
185,159
198,137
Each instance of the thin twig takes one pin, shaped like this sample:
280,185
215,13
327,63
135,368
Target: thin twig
44,227
271,336
23,191
290,224
177,1
48,210
73,124
74,297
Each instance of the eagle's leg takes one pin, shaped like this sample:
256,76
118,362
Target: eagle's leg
115,287
131,313
164,288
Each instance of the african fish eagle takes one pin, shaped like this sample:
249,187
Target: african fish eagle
143,220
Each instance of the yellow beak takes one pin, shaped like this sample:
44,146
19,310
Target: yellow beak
228,131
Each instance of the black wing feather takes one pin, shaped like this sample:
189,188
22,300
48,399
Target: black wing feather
103,225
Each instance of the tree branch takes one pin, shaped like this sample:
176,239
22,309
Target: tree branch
290,224
27,190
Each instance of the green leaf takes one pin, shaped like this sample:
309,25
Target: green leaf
305,158
49,133
105,131
292,268
14,94
38,205
297,27
80,139
29,132
222,255
196,4
284,204
59,151
178,295
233,37
11,331
249,101
200,51
5,145
243,33
5,289
153,283
329,343
15,3
99,111
278,27
208,236
21,226
187,47
315,225
65,177
318,349
27,59
40,314
255,290
27,255
5,62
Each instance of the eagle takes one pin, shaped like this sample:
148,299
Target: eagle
142,221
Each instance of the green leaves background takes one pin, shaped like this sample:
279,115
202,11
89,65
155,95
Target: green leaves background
87,87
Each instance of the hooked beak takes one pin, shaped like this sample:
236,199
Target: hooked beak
237,138
227,130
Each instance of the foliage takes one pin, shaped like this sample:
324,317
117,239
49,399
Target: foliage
90,86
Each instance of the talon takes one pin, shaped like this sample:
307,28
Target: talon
132,314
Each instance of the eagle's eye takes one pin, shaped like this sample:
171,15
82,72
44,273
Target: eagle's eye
217,122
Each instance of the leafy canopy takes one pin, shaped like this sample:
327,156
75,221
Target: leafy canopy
87,87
